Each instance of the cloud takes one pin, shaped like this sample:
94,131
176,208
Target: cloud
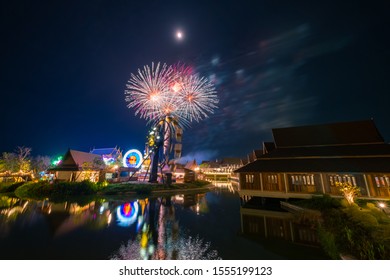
260,89
199,156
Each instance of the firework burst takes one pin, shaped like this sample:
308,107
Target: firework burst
174,92
148,92
198,97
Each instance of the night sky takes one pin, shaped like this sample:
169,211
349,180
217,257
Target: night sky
65,64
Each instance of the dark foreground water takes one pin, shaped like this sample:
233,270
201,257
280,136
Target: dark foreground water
210,225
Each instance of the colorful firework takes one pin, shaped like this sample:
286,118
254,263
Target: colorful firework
198,98
149,91
172,92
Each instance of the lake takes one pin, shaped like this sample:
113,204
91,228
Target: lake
216,224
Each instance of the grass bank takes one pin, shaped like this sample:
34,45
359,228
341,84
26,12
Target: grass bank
65,190
148,188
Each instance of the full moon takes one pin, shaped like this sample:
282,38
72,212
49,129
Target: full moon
179,35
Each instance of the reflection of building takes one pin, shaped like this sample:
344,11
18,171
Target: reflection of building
277,225
309,160
78,166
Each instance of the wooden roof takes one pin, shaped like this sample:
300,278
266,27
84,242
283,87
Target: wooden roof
191,164
342,133
257,153
268,147
251,157
340,147
106,151
73,161
231,161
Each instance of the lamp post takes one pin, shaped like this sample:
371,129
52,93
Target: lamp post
383,206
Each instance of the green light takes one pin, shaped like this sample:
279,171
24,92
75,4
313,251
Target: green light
57,161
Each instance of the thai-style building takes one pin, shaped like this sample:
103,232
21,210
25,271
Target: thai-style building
77,166
312,160
183,172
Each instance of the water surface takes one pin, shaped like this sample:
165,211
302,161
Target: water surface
211,225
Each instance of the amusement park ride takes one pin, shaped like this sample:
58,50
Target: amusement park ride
163,144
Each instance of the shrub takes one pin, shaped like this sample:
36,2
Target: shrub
321,203
10,187
328,243
362,217
371,205
45,189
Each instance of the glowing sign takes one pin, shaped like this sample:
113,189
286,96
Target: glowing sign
132,158
108,160
57,161
127,213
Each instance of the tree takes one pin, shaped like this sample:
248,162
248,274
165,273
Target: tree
2,165
349,191
40,163
23,158
10,162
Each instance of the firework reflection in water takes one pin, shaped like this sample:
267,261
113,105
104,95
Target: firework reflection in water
186,248
159,237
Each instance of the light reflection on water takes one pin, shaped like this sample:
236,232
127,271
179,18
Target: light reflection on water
154,231
184,226
159,236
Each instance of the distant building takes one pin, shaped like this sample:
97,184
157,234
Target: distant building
220,170
109,155
308,160
184,172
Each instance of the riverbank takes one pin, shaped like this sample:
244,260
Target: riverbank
65,190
